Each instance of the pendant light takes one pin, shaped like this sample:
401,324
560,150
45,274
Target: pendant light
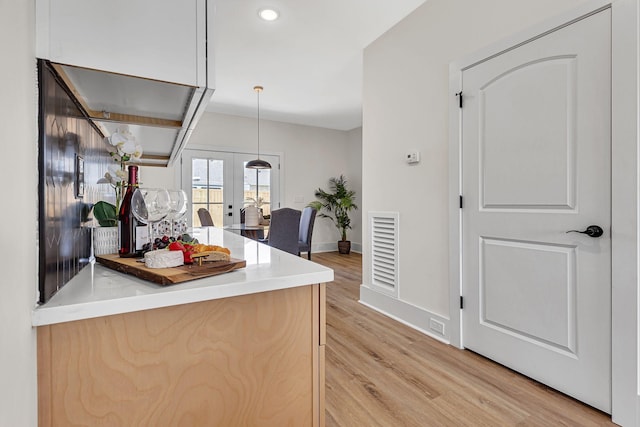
258,163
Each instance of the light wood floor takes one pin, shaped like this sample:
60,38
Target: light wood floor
382,373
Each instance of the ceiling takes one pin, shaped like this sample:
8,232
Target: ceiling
309,60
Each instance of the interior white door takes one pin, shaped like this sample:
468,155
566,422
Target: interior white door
536,163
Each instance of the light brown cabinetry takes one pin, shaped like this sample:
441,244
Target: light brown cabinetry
253,360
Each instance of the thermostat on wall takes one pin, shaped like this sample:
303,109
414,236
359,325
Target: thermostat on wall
413,157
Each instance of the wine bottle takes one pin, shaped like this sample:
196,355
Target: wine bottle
128,224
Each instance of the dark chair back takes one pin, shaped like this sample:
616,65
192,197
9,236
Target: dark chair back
307,220
205,218
284,229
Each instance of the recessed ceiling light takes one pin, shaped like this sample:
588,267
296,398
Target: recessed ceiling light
268,14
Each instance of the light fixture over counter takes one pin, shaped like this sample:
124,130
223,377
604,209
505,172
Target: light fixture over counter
258,163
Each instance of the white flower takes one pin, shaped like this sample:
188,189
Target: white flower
123,140
106,179
121,134
137,154
127,147
115,175
121,175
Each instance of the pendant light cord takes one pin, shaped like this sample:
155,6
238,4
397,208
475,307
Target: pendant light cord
258,164
258,89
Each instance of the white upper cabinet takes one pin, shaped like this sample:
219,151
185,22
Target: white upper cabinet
161,40
140,62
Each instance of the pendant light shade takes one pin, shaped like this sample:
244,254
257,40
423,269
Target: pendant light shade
258,163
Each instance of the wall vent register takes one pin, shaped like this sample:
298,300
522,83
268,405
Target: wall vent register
383,229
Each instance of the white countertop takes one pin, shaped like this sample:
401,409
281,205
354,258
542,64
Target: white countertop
99,291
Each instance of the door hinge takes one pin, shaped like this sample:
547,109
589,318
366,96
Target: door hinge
459,95
461,302
461,201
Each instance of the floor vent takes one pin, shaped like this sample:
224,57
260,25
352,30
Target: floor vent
384,251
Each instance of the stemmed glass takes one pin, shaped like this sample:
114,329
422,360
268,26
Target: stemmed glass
177,207
150,205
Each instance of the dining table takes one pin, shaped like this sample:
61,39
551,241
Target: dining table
255,232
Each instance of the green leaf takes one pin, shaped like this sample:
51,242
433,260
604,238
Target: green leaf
106,214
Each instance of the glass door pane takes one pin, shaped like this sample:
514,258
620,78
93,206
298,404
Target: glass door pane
208,181
260,185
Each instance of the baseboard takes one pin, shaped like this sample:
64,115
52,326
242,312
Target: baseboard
333,247
405,313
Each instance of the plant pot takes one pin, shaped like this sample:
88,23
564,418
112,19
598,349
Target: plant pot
105,240
344,246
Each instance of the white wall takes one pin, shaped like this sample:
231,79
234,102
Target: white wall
406,101
161,177
18,115
355,183
310,156
405,108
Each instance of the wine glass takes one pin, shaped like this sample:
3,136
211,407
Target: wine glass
150,205
177,206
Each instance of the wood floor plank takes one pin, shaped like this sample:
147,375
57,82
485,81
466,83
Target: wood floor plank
380,372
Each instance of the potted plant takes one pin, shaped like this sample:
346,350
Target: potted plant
336,205
105,237
124,152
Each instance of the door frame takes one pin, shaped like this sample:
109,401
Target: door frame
625,401
178,175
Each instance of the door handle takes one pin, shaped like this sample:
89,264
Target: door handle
591,231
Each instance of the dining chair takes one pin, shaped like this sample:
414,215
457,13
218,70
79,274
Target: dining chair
205,218
284,230
307,220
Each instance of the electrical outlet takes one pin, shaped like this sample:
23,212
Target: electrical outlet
436,326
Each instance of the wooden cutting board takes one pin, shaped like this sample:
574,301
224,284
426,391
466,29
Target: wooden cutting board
169,276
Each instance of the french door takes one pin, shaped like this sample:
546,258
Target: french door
220,182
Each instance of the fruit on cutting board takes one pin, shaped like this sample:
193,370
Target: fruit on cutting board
176,246
189,251
164,241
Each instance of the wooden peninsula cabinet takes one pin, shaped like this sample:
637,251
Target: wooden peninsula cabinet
212,359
